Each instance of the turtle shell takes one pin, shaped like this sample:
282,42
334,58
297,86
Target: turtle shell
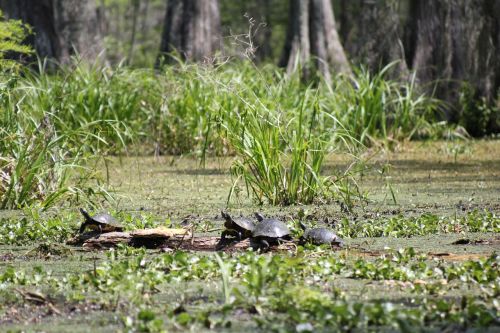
105,218
106,221
271,228
240,222
320,236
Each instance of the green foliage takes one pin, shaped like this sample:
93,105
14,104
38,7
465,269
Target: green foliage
280,130
280,155
36,227
12,36
280,289
373,107
145,321
38,157
426,224
478,116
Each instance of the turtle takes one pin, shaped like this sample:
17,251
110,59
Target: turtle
319,236
240,227
102,222
269,231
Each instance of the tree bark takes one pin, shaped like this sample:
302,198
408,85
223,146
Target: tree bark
264,33
379,41
453,41
311,35
192,28
61,27
135,6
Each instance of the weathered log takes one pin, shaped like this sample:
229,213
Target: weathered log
166,240
160,232
150,238
108,240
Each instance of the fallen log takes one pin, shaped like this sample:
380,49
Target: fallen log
167,240
149,238
107,240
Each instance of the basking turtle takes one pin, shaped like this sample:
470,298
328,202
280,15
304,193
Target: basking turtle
319,236
102,222
269,232
239,227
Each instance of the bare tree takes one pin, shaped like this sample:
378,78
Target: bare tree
313,39
61,27
192,28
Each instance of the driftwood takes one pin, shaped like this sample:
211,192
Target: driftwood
168,239
107,240
150,238
165,239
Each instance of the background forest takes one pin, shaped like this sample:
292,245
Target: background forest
453,46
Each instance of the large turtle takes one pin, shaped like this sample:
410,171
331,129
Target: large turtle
269,232
319,236
239,227
102,222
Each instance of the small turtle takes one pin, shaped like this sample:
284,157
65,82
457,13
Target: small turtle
102,222
240,227
319,236
269,231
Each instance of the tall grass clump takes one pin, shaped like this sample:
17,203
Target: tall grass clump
373,108
107,104
38,163
45,153
276,129
279,159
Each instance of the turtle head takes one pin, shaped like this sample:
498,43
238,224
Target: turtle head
302,226
85,214
259,216
229,220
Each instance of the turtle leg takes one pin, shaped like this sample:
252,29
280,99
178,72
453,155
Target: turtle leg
100,228
265,245
222,242
240,236
82,227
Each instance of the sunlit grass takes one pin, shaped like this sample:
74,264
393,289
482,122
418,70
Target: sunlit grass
280,129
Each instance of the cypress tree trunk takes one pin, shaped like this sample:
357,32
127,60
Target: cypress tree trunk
313,39
453,41
192,28
263,37
379,39
61,27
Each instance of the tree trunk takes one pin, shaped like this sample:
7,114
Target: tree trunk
347,27
264,33
379,39
192,28
311,34
135,4
61,27
453,41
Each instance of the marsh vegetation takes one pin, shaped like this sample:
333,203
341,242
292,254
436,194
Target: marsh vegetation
368,151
